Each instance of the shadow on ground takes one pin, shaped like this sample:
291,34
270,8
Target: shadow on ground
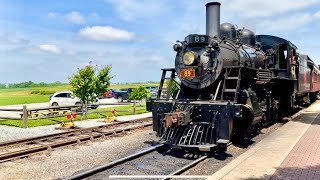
285,173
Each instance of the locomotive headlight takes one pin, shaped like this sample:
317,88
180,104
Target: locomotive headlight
189,57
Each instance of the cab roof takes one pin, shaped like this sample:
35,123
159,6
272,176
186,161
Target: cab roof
268,40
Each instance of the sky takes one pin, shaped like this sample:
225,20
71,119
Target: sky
48,40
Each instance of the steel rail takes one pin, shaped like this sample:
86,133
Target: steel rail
186,167
71,131
112,164
76,139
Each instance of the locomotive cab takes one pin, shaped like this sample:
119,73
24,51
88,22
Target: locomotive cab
281,54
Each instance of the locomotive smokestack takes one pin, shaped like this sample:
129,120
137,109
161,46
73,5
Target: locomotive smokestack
213,19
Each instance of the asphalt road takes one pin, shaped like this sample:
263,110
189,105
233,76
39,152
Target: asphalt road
46,104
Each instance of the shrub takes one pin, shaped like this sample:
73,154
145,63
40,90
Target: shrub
175,86
35,92
139,94
46,92
42,92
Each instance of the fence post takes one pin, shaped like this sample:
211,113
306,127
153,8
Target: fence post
86,110
25,116
134,107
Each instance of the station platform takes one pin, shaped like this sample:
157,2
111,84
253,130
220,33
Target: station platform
290,152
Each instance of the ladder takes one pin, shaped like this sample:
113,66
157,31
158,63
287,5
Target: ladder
231,84
163,78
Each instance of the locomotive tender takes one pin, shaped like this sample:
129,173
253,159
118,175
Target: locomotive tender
231,81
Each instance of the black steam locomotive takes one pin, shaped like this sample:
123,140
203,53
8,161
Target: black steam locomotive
231,81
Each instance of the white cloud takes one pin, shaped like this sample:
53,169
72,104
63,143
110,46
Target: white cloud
53,15
75,18
130,10
254,8
94,15
106,33
8,39
49,48
291,22
317,15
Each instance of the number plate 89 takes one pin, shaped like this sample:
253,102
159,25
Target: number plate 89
187,73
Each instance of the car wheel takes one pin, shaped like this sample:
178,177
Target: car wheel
120,99
94,107
55,104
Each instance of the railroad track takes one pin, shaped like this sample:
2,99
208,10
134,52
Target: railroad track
124,169
11,150
121,164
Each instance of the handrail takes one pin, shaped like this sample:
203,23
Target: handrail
10,109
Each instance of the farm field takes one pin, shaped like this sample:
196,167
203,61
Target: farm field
23,95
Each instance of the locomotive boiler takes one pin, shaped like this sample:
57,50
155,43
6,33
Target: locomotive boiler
230,82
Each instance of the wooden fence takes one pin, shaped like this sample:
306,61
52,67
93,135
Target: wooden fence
58,111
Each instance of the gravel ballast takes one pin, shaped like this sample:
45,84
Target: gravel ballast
67,161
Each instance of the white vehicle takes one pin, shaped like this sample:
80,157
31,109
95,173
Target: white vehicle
64,98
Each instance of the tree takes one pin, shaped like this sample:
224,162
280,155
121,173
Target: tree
90,81
139,94
174,87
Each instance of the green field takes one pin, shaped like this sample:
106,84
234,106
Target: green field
43,122
24,96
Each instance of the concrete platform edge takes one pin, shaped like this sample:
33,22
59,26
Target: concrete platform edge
261,160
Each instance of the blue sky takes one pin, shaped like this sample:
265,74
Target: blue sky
46,41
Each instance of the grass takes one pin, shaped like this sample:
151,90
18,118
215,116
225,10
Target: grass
24,96
43,122
11,100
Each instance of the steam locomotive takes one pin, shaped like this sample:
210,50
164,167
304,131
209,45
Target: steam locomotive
230,82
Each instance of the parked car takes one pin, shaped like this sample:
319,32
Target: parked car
66,98
110,93
153,90
123,94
